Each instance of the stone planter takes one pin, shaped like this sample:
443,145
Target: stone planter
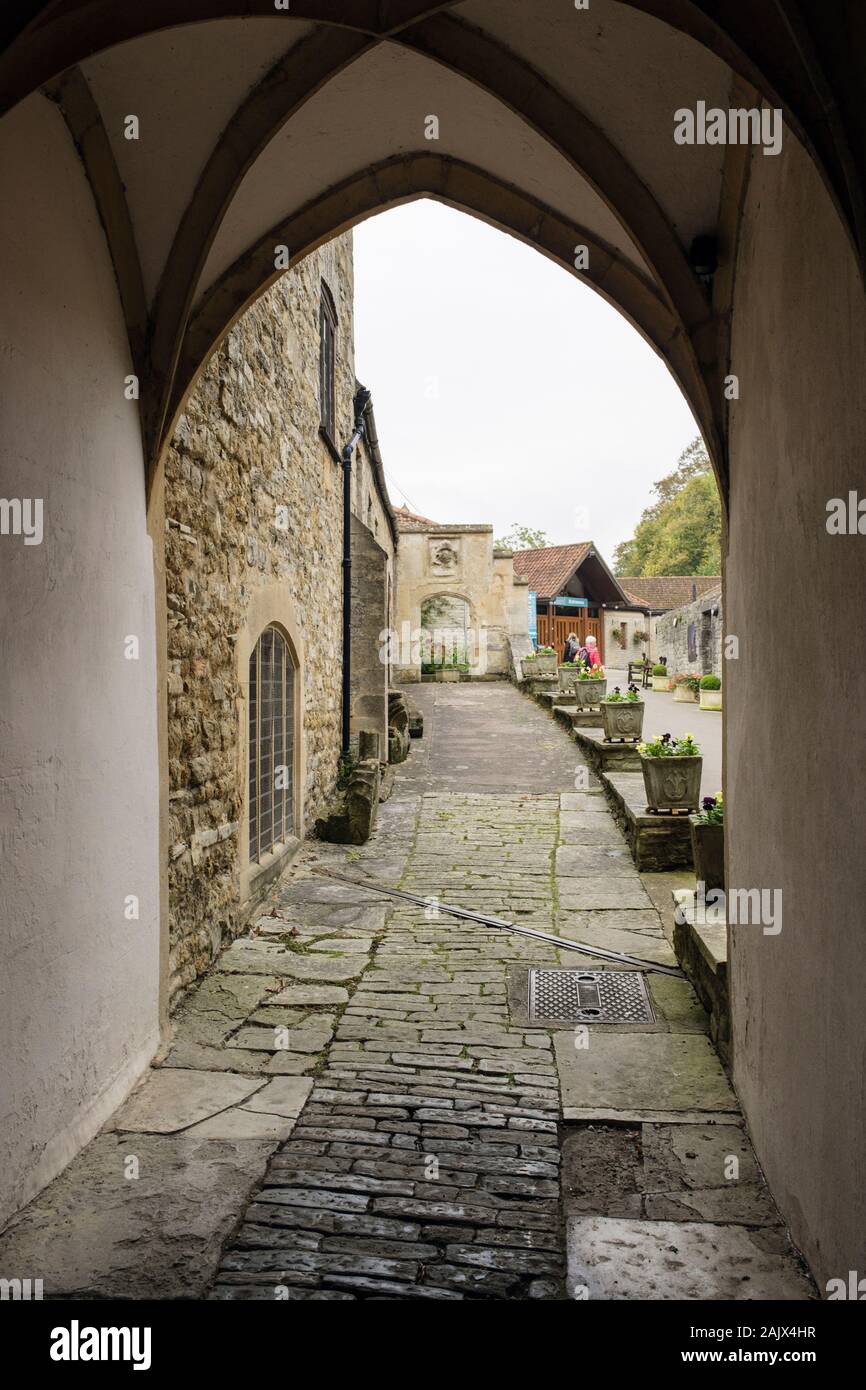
661,683
684,696
539,666
590,692
711,699
446,674
568,677
708,852
672,784
623,720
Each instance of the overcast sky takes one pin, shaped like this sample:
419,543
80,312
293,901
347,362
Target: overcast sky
504,389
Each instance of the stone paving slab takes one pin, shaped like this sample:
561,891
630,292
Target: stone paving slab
639,944
284,1095
169,1101
98,1231
244,1124
587,894
615,1258
262,958
608,862
634,1076
413,1123
682,1172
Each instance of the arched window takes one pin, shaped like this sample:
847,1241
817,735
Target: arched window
271,742
327,363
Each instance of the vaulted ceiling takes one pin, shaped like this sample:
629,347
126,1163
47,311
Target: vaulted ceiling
260,126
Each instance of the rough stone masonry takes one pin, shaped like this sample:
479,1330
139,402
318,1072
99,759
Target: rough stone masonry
248,444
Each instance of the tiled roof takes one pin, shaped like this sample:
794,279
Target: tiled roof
410,521
549,570
665,591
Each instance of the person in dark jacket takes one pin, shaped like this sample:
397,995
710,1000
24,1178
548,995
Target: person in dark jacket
571,648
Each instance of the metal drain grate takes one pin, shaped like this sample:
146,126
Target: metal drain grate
589,996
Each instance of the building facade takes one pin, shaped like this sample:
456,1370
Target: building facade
631,629
254,516
572,585
458,597
690,637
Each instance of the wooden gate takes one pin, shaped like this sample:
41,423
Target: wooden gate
553,631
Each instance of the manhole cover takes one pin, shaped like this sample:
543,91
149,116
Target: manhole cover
589,996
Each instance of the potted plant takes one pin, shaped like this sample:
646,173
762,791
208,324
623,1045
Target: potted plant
445,668
711,692
671,773
568,674
639,636
661,679
708,842
590,685
542,662
622,715
686,688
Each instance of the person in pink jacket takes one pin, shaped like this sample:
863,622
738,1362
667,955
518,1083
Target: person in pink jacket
593,652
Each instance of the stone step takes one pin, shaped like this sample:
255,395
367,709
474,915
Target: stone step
702,950
575,718
549,697
655,841
607,757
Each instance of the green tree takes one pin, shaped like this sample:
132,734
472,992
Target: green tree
522,538
681,532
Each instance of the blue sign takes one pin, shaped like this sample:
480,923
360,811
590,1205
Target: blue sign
533,618
571,602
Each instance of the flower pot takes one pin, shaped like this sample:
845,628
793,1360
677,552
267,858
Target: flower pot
590,692
623,719
711,699
684,696
447,674
544,665
708,852
568,677
672,784
661,683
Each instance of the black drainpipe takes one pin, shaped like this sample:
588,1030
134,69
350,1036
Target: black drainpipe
362,400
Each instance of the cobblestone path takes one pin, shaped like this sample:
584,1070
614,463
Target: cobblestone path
447,1149
425,1163
352,1104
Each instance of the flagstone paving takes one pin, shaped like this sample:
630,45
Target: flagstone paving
352,1104
426,1163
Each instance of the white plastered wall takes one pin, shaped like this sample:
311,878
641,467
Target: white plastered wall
78,728
796,754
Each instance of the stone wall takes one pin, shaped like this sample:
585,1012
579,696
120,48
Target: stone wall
618,657
370,619
247,446
794,766
672,636
458,564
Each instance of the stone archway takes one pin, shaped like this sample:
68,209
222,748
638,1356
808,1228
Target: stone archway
555,134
